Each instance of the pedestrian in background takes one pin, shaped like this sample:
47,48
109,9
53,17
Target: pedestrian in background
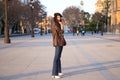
58,43
73,31
77,32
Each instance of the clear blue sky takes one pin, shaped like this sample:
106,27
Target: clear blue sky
59,5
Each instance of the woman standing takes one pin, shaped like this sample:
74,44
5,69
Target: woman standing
58,43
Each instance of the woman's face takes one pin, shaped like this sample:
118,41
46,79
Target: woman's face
58,18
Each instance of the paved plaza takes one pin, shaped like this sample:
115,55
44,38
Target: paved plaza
84,58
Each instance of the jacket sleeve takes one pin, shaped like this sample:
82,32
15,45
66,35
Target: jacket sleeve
54,34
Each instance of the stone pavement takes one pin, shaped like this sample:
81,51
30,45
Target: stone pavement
84,58
110,36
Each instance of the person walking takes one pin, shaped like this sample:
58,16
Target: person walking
77,32
73,31
58,43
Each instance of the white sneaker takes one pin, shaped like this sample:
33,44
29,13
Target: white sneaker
56,77
60,74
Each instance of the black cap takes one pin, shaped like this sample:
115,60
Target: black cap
56,14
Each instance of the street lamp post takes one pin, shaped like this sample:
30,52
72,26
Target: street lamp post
45,22
103,21
82,12
6,39
32,26
107,6
41,29
41,23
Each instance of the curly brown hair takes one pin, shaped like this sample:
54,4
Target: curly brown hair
55,19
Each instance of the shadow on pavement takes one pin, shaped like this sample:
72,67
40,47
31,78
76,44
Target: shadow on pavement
75,70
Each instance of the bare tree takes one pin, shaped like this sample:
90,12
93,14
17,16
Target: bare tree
72,15
1,10
18,11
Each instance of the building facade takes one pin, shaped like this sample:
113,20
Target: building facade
99,6
115,16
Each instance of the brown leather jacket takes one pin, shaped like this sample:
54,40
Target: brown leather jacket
56,32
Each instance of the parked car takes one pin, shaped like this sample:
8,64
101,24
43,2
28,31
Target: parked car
36,30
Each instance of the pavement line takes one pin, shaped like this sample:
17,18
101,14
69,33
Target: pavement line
103,70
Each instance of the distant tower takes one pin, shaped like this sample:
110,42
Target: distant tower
81,3
98,6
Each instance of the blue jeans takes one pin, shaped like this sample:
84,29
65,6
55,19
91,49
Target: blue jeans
57,62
